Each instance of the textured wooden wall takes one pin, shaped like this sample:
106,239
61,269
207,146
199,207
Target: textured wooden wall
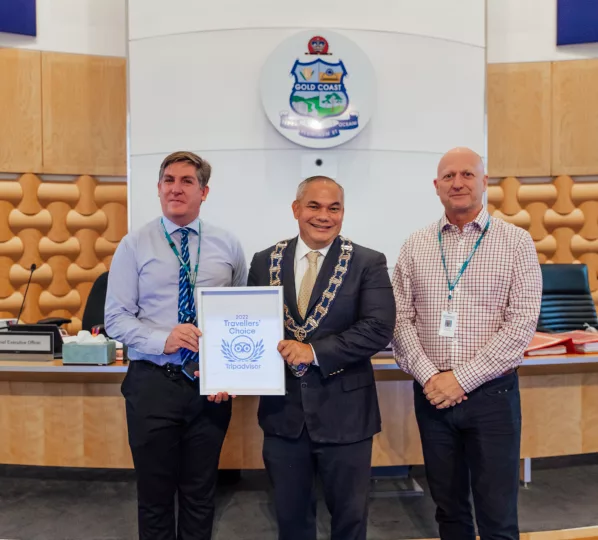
69,230
543,156
62,114
561,215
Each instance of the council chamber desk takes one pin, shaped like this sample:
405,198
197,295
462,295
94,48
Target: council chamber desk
74,416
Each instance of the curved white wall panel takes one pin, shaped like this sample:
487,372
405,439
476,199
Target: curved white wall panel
388,195
213,102
456,20
195,73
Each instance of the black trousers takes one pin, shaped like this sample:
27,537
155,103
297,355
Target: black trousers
344,470
474,446
175,436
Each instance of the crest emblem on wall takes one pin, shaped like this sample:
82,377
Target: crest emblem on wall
325,93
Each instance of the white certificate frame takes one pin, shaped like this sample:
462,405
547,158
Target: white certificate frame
235,322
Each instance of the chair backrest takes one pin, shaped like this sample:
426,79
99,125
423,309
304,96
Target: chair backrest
566,299
94,308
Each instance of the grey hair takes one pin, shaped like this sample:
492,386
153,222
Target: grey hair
303,185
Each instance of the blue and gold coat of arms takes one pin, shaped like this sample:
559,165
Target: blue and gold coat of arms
318,98
319,91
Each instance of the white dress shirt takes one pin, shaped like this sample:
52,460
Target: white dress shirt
301,266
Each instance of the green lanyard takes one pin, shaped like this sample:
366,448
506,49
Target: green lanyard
451,286
192,276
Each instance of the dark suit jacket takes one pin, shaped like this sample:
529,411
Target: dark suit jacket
337,401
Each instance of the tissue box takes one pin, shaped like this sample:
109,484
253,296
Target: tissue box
89,353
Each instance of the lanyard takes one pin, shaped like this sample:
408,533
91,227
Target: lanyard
451,286
191,275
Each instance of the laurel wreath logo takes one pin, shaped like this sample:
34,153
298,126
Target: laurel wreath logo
228,353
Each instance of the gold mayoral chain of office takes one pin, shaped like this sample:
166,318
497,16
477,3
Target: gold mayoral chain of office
320,310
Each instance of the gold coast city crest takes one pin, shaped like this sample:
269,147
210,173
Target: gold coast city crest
318,89
319,93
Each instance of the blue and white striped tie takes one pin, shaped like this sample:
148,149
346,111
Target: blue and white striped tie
187,311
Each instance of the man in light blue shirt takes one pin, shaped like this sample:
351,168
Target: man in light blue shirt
175,434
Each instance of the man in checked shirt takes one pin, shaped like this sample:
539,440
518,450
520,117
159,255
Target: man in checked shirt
468,290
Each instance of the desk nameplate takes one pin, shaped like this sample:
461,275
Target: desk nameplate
26,346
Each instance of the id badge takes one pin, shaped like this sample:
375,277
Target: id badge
448,324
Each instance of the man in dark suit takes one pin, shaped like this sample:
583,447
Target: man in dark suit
339,311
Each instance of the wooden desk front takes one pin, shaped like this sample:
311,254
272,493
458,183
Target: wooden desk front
74,416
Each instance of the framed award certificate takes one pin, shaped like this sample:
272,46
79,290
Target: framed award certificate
241,328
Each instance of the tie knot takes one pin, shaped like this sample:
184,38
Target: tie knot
184,232
312,256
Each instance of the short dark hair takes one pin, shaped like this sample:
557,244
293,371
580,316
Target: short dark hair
303,185
202,167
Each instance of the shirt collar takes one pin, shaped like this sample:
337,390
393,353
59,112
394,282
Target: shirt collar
303,249
479,222
173,227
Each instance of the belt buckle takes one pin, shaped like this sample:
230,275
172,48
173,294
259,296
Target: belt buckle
170,368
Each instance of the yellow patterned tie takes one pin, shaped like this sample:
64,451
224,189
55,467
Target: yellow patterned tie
308,282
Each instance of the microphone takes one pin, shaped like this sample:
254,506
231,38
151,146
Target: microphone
31,270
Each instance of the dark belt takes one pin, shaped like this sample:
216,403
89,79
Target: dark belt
170,368
176,369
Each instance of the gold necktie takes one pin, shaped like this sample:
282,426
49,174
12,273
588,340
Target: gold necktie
308,282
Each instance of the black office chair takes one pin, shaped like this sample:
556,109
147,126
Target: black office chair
567,303
94,308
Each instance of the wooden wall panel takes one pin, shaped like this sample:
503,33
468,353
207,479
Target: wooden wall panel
561,216
555,428
78,420
70,230
399,441
589,404
244,438
63,424
519,101
575,117
84,114
20,111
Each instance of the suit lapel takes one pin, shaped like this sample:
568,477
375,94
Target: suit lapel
288,279
325,273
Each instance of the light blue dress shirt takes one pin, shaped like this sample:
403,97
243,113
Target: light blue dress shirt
143,285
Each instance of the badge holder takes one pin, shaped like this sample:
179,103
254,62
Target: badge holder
448,324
